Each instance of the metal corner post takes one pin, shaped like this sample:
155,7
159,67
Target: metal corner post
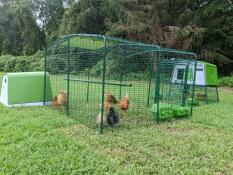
88,85
68,78
184,93
45,75
194,84
150,80
157,90
206,95
103,88
217,94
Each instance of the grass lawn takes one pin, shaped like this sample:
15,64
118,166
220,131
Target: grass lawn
141,98
40,140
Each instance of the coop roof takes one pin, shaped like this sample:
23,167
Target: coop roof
209,64
91,42
24,74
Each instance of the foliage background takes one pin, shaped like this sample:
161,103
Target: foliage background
201,26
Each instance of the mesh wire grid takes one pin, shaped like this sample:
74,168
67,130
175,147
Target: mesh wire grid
89,66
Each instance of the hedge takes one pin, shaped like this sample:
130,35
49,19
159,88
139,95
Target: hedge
9,63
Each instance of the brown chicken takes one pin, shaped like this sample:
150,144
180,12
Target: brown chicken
124,104
107,106
60,100
55,102
110,98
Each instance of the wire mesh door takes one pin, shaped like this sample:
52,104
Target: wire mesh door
86,79
130,81
177,85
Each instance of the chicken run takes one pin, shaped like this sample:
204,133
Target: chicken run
106,82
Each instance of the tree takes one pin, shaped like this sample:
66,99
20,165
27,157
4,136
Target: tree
6,47
10,37
217,17
202,26
49,15
84,16
33,38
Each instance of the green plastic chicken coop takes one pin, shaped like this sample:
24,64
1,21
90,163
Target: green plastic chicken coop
25,89
206,80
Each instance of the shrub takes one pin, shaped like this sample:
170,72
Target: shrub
227,81
10,63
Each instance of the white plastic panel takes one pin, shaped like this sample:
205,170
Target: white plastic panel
4,91
200,74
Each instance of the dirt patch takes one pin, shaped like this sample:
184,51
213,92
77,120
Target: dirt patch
228,89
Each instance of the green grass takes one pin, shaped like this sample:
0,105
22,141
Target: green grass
40,140
138,92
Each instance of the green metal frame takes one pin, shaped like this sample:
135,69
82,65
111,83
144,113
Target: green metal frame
193,90
62,55
157,90
45,77
99,82
103,89
211,93
68,77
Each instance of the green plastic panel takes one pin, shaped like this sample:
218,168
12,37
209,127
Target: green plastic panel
180,111
211,74
168,111
27,87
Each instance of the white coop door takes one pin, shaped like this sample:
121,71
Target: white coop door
200,74
4,91
179,73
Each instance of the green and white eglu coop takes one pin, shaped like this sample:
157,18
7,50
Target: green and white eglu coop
206,78
25,89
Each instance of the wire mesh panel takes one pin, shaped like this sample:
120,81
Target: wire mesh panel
176,88
110,83
206,94
131,71
56,63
